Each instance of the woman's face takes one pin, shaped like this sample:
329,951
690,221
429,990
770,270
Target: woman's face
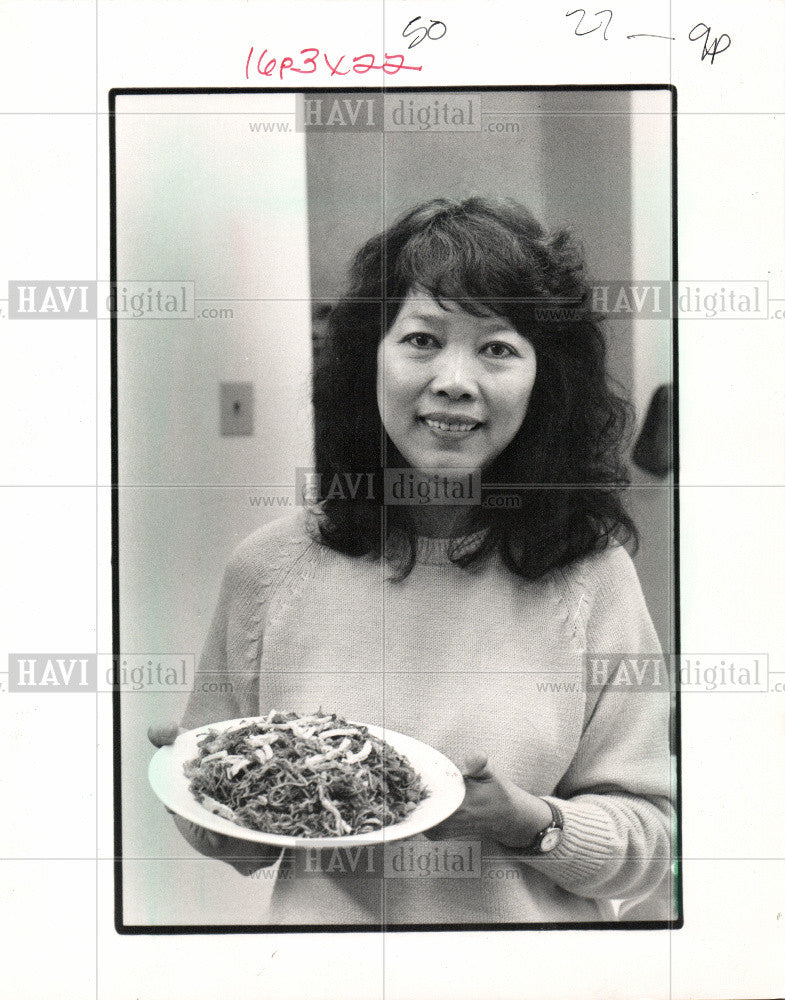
452,388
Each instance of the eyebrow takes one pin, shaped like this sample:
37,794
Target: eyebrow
427,318
500,326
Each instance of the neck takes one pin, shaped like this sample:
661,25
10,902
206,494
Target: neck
439,517
440,521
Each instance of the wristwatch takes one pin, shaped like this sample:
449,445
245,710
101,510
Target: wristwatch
549,838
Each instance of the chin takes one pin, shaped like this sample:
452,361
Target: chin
458,462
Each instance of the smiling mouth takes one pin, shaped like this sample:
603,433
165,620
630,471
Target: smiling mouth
450,426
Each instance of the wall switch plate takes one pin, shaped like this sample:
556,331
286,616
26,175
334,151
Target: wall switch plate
236,407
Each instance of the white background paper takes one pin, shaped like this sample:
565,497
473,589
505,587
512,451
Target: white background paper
58,61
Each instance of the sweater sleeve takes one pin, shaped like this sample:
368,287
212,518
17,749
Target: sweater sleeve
220,690
226,684
616,796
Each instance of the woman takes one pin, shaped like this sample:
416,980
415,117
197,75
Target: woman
465,343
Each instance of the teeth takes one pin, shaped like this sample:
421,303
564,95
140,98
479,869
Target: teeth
440,425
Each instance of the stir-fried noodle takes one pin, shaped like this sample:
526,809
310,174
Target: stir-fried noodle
304,776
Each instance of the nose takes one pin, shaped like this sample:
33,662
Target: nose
454,374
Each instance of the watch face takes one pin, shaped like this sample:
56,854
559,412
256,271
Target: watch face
551,839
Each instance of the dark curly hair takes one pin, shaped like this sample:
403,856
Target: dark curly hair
563,464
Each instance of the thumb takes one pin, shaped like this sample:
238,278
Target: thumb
164,736
475,766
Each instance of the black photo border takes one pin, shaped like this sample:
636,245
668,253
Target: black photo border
168,929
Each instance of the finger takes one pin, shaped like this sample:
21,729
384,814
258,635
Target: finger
476,767
204,841
247,858
244,856
254,862
164,736
442,831
246,867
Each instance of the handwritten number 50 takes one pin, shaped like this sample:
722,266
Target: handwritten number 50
582,12
434,31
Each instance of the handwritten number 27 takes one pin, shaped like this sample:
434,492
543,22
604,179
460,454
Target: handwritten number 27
588,31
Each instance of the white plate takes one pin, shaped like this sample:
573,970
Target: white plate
440,777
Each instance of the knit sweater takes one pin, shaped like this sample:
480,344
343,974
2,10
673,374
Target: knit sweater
464,659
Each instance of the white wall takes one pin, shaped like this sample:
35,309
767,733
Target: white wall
651,252
202,198
652,240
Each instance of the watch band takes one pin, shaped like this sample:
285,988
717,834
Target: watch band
556,813
549,838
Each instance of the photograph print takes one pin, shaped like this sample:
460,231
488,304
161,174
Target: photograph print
395,530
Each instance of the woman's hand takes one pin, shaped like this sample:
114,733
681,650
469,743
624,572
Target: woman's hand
244,856
493,808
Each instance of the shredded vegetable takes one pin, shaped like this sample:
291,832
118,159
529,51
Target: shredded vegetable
304,776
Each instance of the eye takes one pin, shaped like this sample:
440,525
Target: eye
497,349
422,341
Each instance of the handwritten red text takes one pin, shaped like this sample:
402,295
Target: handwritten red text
310,60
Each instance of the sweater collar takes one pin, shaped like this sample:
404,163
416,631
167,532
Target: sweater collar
429,551
437,551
